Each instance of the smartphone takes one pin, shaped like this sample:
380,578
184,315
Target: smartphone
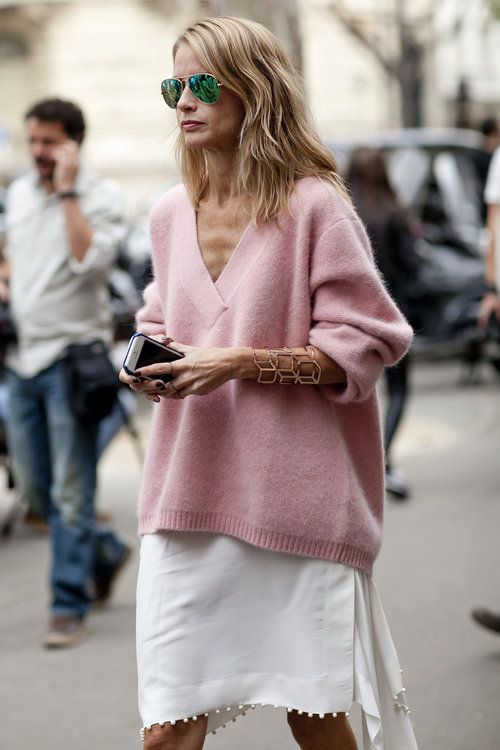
143,351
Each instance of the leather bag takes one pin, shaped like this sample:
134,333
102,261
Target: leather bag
92,381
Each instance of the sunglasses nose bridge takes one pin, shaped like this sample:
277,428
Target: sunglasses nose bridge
187,98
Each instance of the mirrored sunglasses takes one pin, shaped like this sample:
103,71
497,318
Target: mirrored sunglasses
204,86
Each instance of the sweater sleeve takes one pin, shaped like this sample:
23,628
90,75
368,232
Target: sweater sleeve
354,321
149,318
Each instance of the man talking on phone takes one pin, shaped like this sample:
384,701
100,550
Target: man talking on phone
63,229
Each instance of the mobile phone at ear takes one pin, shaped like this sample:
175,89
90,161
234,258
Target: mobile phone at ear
143,351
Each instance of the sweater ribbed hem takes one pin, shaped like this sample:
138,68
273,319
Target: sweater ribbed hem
221,523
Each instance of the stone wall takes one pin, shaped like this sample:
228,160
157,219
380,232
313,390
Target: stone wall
111,56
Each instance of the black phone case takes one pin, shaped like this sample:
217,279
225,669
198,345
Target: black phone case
163,348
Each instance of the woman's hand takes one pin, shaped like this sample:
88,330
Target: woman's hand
200,371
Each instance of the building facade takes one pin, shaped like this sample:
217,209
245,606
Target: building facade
111,56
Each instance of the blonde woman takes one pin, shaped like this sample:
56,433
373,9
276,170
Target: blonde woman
261,505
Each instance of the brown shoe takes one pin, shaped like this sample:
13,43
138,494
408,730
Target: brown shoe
64,631
104,583
36,522
487,619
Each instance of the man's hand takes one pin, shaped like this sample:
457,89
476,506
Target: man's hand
4,280
4,291
490,305
67,165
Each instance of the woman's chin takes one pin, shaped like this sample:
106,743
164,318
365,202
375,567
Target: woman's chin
195,140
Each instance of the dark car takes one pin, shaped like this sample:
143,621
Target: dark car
434,174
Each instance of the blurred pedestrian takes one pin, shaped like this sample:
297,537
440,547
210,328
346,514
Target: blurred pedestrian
490,308
490,305
261,505
63,226
482,158
393,241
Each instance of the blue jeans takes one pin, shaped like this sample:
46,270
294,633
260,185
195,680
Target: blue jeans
54,459
111,424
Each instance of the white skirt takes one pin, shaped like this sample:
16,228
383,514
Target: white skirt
223,626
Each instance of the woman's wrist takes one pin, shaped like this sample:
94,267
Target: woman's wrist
243,365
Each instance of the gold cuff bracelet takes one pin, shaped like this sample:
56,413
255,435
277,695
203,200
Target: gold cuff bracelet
287,366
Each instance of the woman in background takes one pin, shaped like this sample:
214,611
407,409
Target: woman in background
393,240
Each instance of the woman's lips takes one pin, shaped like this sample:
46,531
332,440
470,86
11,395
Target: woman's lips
191,125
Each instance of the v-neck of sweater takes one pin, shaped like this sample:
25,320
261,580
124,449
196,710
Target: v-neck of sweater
212,298
233,249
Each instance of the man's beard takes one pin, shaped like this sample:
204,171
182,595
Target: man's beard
45,168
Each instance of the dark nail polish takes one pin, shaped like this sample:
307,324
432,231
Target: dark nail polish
136,381
160,386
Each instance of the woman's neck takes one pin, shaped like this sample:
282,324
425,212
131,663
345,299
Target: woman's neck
222,178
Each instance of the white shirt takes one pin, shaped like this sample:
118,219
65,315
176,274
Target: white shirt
56,300
492,189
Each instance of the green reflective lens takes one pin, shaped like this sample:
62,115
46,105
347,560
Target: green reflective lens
171,90
204,87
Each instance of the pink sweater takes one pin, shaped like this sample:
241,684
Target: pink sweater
297,469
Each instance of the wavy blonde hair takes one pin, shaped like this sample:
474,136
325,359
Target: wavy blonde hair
277,142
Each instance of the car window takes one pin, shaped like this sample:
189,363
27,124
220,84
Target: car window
408,170
457,183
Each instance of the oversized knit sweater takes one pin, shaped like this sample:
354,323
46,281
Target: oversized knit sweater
292,468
